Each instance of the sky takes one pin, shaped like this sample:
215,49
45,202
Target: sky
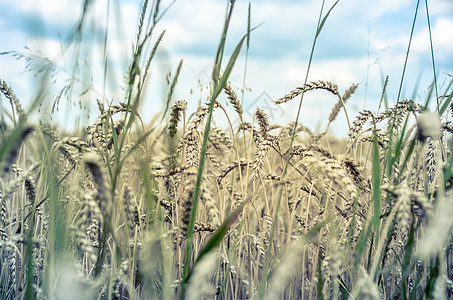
361,42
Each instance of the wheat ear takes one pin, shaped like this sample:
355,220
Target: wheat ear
9,94
341,103
231,95
325,85
264,143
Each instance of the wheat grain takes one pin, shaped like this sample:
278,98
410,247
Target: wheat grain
192,141
267,228
30,189
263,147
395,114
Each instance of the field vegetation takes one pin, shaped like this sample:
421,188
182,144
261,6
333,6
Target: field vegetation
179,208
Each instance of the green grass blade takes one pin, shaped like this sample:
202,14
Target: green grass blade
216,239
376,185
407,53
218,86
446,104
221,47
265,275
172,89
321,25
432,52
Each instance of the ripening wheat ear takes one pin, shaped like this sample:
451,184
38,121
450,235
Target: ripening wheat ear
30,189
233,99
396,114
95,166
3,214
9,94
219,140
96,135
433,159
341,103
132,212
71,156
186,209
324,85
10,149
354,171
192,137
264,143
86,233
356,128
230,167
177,109
336,173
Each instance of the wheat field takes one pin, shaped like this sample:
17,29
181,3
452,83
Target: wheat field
180,208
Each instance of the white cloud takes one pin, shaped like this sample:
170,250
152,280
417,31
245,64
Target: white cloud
442,39
368,11
55,11
377,9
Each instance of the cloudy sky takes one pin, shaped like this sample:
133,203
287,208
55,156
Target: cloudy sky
361,42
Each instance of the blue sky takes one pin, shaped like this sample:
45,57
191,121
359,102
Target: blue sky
360,42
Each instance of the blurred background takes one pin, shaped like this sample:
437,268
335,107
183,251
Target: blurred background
361,42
